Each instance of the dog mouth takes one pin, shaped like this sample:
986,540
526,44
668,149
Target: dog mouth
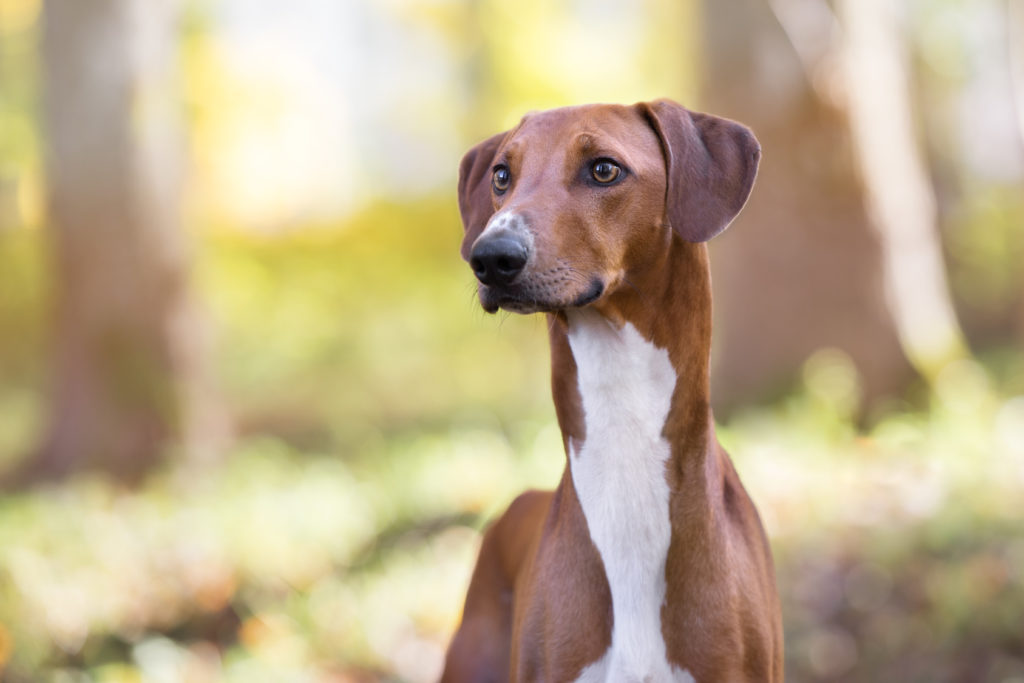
524,299
592,294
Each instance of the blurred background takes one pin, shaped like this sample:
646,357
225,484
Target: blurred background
252,418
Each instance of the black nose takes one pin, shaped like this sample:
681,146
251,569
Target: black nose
498,260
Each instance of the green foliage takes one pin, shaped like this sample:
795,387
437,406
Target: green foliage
24,299
278,564
899,553
383,419
342,336
23,304
987,244
19,146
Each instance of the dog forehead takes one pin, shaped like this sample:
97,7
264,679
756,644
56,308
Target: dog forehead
600,128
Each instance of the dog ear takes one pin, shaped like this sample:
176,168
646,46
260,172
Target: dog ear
475,203
710,166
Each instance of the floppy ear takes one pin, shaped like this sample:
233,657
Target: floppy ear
475,202
710,165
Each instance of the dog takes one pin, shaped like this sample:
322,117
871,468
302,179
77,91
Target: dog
648,562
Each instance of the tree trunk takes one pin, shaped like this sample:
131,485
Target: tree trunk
126,350
899,194
1015,48
801,269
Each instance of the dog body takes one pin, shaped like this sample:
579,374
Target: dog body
648,562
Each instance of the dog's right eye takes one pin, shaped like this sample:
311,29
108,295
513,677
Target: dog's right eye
501,179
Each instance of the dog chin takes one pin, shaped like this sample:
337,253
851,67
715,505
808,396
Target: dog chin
492,300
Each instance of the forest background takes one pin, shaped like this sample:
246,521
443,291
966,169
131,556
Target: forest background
252,419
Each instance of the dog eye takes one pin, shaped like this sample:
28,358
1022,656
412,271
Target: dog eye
501,179
605,171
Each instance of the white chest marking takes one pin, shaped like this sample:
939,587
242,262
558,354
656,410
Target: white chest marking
626,384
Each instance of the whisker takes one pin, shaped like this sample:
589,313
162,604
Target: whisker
577,276
639,292
551,323
505,315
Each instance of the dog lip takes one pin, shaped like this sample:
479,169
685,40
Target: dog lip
516,304
491,301
592,294
493,298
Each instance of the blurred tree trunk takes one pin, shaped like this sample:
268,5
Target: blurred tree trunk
125,369
802,268
1015,48
899,194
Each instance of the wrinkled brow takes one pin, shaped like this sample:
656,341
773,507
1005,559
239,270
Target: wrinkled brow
591,144
584,141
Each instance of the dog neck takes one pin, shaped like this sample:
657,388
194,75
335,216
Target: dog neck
670,311
630,380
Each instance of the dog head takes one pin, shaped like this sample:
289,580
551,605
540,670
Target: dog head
561,209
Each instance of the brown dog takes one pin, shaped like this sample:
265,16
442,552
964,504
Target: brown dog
648,562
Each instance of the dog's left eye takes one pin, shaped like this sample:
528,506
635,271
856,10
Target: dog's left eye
605,171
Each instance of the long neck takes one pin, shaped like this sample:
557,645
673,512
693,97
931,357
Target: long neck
669,307
631,392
